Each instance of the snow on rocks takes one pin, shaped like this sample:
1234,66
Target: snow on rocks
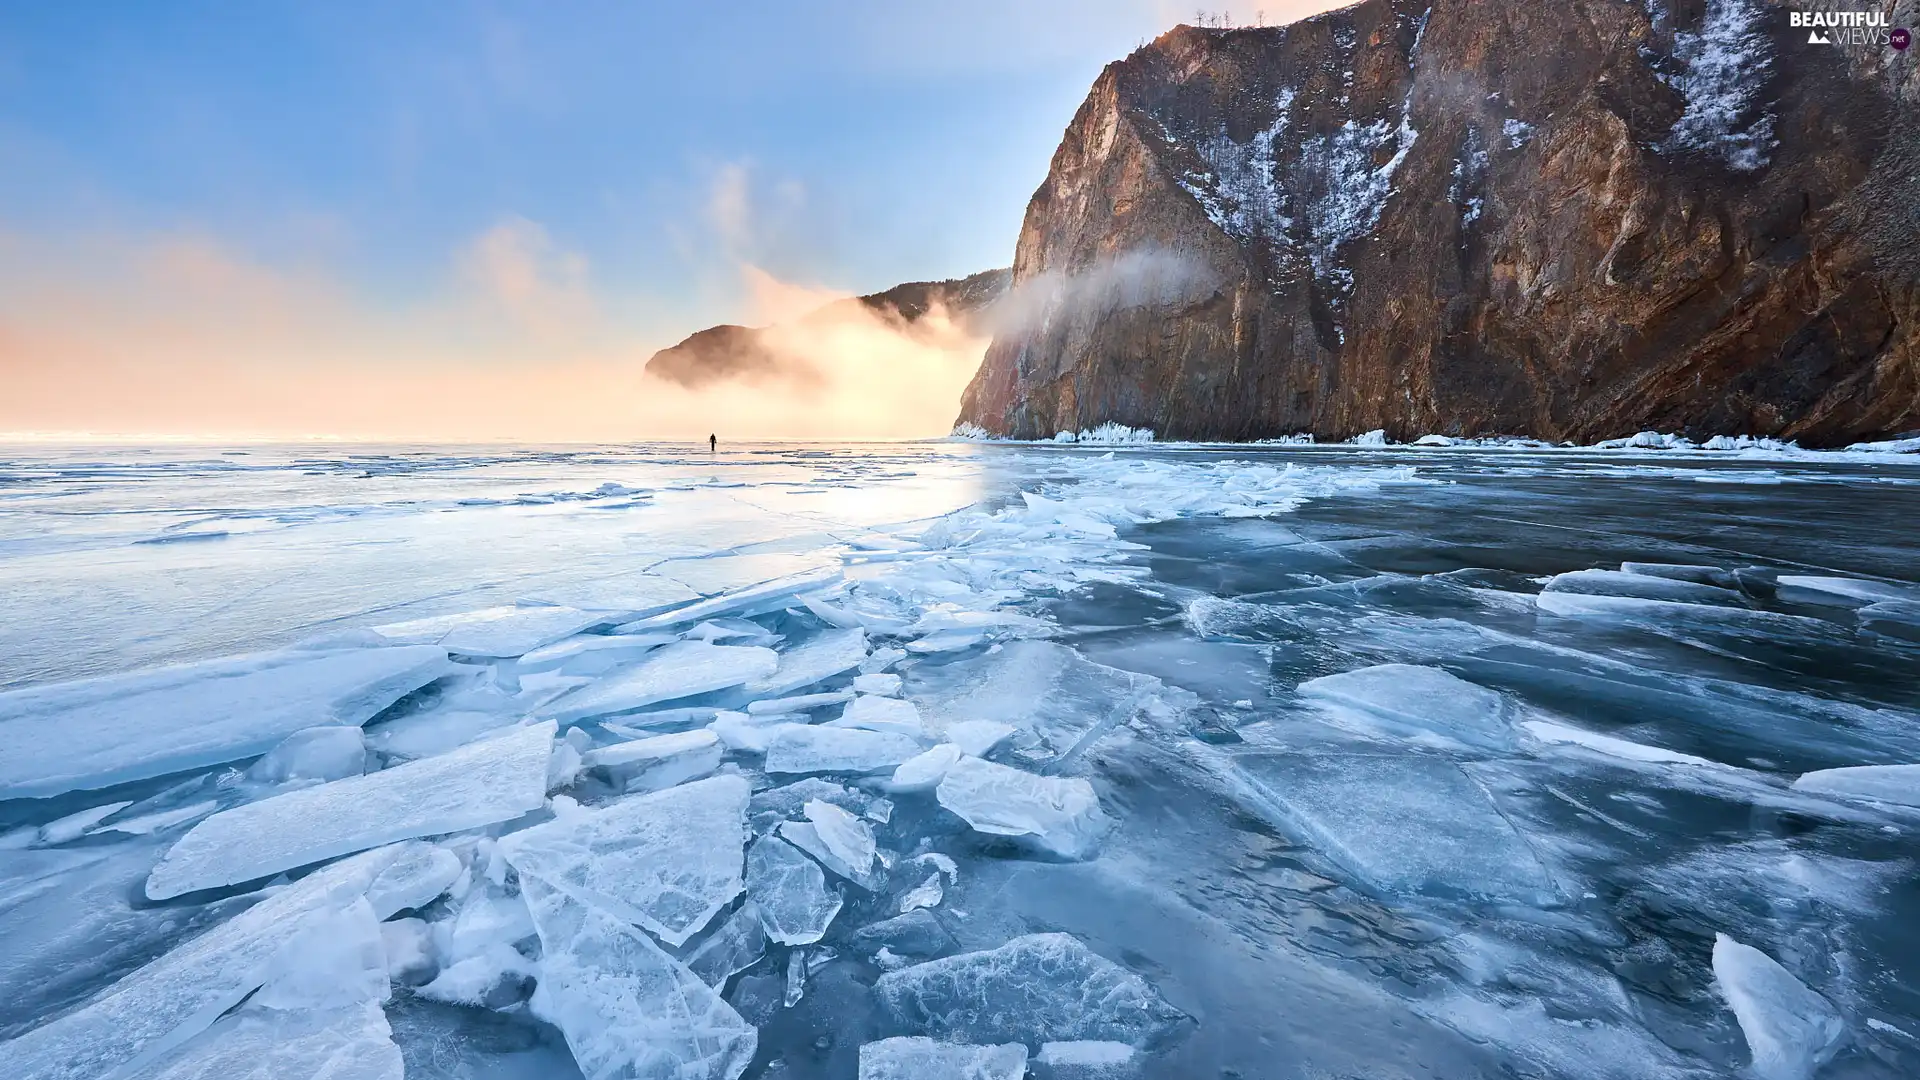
919,1058
1400,823
801,748
675,671
1034,989
1790,1030
1418,699
667,861
1724,71
1899,784
1056,815
480,784
628,1010
662,761
75,735
790,892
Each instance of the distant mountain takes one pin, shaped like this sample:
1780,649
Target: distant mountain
725,352
1574,221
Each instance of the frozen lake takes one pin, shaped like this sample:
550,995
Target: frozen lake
1133,761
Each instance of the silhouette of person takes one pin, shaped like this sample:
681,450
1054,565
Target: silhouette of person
713,443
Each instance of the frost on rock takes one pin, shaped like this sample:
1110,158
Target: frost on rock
1343,191
177,996
799,748
662,761
680,670
480,784
920,1058
82,734
1418,699
822,658
628,1010
1400,824
1880,783
1724,67
1060,816
1238,192
318,753
1034,989
790,891
666,861
351,1043
1790,1030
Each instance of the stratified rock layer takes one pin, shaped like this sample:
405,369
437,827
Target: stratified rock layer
1573,221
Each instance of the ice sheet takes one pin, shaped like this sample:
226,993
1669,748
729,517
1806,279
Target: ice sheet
1044,688
591,653
666,861
1842,591
1419,699
802,703
1057,815
1641,585
1790,1030
1880,783
799,748
1400,824
661,761
1034,989
85,735
675,671
1549,732
873,713
350,1043
494,632
629,1011
916,1057
480,784
790,890
804,665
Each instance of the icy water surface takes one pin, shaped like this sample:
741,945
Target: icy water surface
957,761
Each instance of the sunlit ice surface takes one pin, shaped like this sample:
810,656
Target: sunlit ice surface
815,760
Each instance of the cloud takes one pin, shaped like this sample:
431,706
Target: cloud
523,276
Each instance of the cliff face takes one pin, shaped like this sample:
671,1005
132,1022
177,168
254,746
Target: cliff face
1572,220
724,352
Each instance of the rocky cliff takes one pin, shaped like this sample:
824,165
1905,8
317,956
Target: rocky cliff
1572,220
724,352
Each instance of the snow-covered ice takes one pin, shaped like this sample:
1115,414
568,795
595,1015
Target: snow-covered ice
76,735
884,684
680,670
667,861
487,782
790,890
915,1057
1057,815
1034,989
629,1011
1085,1059
1790,1030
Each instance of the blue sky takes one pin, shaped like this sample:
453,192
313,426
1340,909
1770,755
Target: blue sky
632,156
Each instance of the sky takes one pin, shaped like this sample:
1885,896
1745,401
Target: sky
477,220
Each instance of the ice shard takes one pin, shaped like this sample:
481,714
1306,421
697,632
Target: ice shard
799,748
790,890
675,671
1057,815
1790,1030
804,665
916,1057
1416,699
257,1043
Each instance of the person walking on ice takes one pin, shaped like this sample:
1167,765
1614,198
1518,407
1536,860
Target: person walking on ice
713,443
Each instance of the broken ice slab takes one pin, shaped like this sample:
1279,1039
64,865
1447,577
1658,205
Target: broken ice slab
715,574
98,732
161,820
801,748
666,861
1417,699
977,738
1842,591
1790,1030
881,714
491,977
915,932
680,670
317,753
1642,586
803,703
661,761
336,959
493,632
1085,1060
747,732
418,874
924,772
772,596
736,945
841,842
916,1057
1879,783
1549,732
884,685
1666,615
790,800
257,1043
628,1010
591,653
733,631
1057,815
623,596
1697,573
946,641
1400,823
479,784
1034,989
177,996
77,824
790,891
1891,618
804,665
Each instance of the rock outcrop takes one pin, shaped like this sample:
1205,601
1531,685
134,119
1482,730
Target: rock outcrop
720,353
1573,220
